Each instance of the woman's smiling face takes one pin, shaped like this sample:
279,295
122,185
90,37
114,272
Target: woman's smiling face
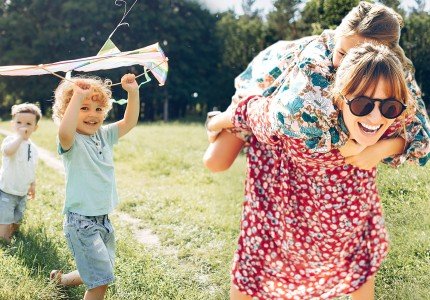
367,130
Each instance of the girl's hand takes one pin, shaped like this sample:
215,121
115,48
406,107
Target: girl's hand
212,135
366,159
351,148
129,83
81,89
372,155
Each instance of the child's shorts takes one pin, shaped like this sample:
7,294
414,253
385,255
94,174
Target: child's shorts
92,242
11,208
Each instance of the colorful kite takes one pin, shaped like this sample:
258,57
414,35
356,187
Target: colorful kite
152,58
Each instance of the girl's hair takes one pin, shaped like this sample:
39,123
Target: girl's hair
362,68
101,92
376,22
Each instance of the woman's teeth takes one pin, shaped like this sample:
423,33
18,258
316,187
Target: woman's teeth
369,128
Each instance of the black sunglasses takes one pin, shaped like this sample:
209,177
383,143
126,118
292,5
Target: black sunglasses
390,108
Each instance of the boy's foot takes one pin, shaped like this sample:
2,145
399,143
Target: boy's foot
55,276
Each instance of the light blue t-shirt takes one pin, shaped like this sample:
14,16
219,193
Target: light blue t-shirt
90,177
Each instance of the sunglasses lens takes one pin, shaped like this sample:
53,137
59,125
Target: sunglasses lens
361,106
391,108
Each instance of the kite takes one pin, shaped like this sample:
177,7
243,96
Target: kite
152,58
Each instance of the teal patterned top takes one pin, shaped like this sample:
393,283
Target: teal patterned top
293,78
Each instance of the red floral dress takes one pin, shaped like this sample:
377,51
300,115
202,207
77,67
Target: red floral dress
312,227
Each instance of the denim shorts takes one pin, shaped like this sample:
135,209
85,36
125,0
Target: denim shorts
11,208
92,243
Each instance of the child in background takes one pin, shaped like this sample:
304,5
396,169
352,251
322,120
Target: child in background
87,150
18,170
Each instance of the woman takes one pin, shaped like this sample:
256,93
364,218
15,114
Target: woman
267,164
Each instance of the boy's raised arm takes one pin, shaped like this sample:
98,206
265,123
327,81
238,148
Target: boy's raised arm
69,123
131,115
11,147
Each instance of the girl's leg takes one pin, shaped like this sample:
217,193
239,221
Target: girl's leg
97,293
366,291
5,233
69,279
235,294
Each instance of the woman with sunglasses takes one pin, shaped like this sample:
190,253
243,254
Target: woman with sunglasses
268,70
327,237
268,164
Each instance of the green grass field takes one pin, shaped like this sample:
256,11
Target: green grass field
189,220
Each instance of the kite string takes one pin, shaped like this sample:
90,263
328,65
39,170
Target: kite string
126,12
113,84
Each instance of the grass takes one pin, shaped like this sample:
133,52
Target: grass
195,215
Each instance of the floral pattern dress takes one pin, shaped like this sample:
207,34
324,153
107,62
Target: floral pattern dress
312,227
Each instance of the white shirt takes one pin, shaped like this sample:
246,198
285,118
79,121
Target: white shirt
18,171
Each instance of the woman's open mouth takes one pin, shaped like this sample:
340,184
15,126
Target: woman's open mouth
369,129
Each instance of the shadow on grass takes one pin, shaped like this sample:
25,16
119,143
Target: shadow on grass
40,255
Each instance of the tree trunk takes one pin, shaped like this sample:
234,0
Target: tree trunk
166,109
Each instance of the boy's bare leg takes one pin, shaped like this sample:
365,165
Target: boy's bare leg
69,279
366,291
235,294
97,293
14,228
5,232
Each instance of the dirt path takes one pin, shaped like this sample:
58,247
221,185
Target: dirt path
144,236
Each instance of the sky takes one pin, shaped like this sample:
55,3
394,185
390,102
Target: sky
223,5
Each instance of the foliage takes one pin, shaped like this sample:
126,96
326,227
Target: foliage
282,21
206,51
417,48
242,38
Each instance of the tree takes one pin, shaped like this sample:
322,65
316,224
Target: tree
282,22
242,38
417,47
333,11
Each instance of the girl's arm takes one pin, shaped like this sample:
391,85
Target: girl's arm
220,154
69,123
131,115
371,156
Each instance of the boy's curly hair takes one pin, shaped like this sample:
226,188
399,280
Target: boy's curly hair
101,92
27,108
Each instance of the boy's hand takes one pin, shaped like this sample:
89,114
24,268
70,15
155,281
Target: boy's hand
32,191
81,89
23,133
129,83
